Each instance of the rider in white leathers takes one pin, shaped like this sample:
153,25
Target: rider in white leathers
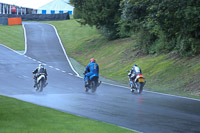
37,71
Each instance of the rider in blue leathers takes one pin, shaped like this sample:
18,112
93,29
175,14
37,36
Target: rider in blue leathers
91,69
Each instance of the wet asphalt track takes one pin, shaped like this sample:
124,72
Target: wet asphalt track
148,112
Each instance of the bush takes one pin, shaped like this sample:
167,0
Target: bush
77,14
167,25
188,46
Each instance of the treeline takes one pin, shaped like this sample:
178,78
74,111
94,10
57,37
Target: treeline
157,25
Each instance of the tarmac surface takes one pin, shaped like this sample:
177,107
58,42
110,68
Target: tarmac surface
149,112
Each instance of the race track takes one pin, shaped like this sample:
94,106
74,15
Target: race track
149,112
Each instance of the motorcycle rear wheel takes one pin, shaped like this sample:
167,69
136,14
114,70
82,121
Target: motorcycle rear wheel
139,87
86,89
93,85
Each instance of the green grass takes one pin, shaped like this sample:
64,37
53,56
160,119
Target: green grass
12,36
22,117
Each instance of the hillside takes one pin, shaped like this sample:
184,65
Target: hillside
167,73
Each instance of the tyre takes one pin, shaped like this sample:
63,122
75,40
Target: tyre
93,86
86,89
37,87
41,85
139,87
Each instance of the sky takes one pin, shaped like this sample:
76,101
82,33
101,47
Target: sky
27,3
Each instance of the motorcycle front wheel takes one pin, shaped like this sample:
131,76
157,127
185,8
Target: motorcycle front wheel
41,85
38,86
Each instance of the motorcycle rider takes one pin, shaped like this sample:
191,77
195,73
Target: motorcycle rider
135,70
92,68
38,71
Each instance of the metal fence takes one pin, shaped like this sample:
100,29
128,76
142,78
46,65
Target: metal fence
34,17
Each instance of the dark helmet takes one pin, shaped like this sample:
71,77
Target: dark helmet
92,60
134,65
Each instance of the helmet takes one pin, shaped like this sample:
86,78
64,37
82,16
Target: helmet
41,65
134,65
92,60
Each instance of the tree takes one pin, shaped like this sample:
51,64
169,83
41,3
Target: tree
165,24
102,14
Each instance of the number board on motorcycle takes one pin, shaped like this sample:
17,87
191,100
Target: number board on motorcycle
141,80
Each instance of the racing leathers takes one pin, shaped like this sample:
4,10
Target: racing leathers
92,68
37,73
134,71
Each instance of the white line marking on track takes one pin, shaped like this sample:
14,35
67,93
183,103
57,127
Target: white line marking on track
10,49
70,73
79,76
51,66
64,71
154,92
25,39
64,50
57,69
173,95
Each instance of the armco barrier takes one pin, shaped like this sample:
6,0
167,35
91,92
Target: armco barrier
35,17
15,21
3,20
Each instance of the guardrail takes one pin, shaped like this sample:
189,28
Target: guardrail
33,17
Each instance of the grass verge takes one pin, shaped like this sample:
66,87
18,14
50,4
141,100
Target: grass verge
22,117
12,36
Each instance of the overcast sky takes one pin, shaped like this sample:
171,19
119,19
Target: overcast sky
27,3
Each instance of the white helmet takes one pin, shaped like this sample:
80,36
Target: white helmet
41,65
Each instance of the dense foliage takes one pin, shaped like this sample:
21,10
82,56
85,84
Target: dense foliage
102,14
157,25
164,25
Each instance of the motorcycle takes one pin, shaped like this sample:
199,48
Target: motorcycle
41,82
137,84
93,83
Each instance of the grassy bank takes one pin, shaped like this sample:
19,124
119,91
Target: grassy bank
167,73
12,36
22,117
